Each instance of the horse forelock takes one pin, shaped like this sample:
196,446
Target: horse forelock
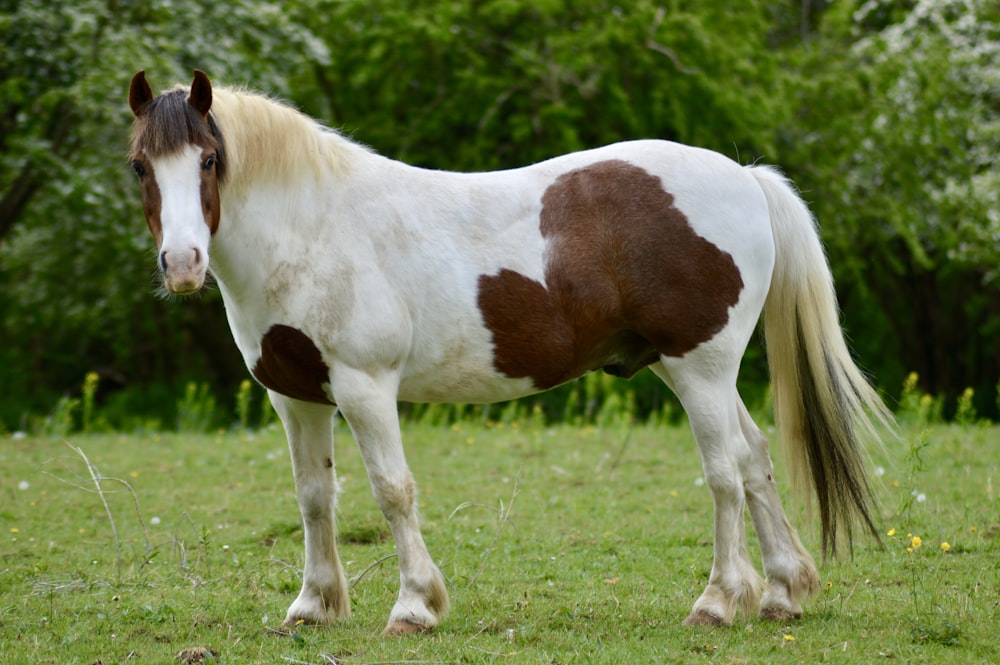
170,122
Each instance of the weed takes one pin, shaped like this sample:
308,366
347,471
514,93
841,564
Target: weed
965,412
243,405
914,467
90,382
60,423
944,633
917,407
196,409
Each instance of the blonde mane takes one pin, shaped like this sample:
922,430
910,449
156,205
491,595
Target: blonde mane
268,139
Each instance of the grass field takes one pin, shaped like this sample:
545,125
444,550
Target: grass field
560,544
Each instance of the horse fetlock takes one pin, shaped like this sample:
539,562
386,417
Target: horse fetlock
315,608
720,603
713,608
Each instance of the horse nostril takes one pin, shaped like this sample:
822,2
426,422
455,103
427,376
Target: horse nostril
163,261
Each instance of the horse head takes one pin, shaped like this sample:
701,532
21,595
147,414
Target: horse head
179,158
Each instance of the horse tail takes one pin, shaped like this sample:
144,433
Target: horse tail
821,398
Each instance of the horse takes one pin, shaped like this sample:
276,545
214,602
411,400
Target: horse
352,282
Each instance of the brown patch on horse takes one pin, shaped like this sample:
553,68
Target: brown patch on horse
291,364
152,202
626,280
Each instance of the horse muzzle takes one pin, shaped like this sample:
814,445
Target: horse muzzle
183,270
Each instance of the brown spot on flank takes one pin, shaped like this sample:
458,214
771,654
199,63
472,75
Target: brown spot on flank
626,279
291,364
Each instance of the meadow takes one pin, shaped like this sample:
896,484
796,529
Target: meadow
561,544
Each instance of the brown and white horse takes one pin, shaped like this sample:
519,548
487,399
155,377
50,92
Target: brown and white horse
352,281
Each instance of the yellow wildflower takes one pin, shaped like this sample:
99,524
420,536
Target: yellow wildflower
945,547
891,533
916,542
787,637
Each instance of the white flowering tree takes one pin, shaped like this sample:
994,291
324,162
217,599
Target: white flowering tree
897,146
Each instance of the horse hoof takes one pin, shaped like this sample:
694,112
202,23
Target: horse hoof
779,615
400,628
703,618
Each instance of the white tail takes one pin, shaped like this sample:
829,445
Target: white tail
821,398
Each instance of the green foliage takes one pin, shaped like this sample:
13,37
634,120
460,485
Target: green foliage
917,407
243,404
196,409
89,391
896,147
885,112
481,85
965,413
61,421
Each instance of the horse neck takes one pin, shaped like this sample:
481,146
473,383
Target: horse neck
282,168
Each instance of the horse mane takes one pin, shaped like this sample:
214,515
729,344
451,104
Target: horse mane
258,137
267,138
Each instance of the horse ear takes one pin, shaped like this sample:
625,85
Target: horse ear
201,93
139,93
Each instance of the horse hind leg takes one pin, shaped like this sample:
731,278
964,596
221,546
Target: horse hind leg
790,570
734,586
309,428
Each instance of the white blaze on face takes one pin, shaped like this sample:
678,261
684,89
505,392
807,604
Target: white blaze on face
184,248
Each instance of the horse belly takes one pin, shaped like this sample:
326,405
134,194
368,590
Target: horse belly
460,368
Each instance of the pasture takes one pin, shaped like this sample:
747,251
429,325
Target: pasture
560,544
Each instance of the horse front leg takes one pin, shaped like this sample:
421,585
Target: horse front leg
368,403
309,428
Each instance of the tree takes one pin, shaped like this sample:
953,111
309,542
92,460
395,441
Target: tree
74,253
897,143
474,84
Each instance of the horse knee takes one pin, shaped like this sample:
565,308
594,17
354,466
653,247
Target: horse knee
395,496
316,500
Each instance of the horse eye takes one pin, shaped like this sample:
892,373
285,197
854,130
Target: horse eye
208,163
139,169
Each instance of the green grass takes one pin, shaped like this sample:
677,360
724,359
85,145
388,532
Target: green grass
560,545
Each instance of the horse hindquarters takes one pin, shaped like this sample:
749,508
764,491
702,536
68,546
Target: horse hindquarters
735,455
